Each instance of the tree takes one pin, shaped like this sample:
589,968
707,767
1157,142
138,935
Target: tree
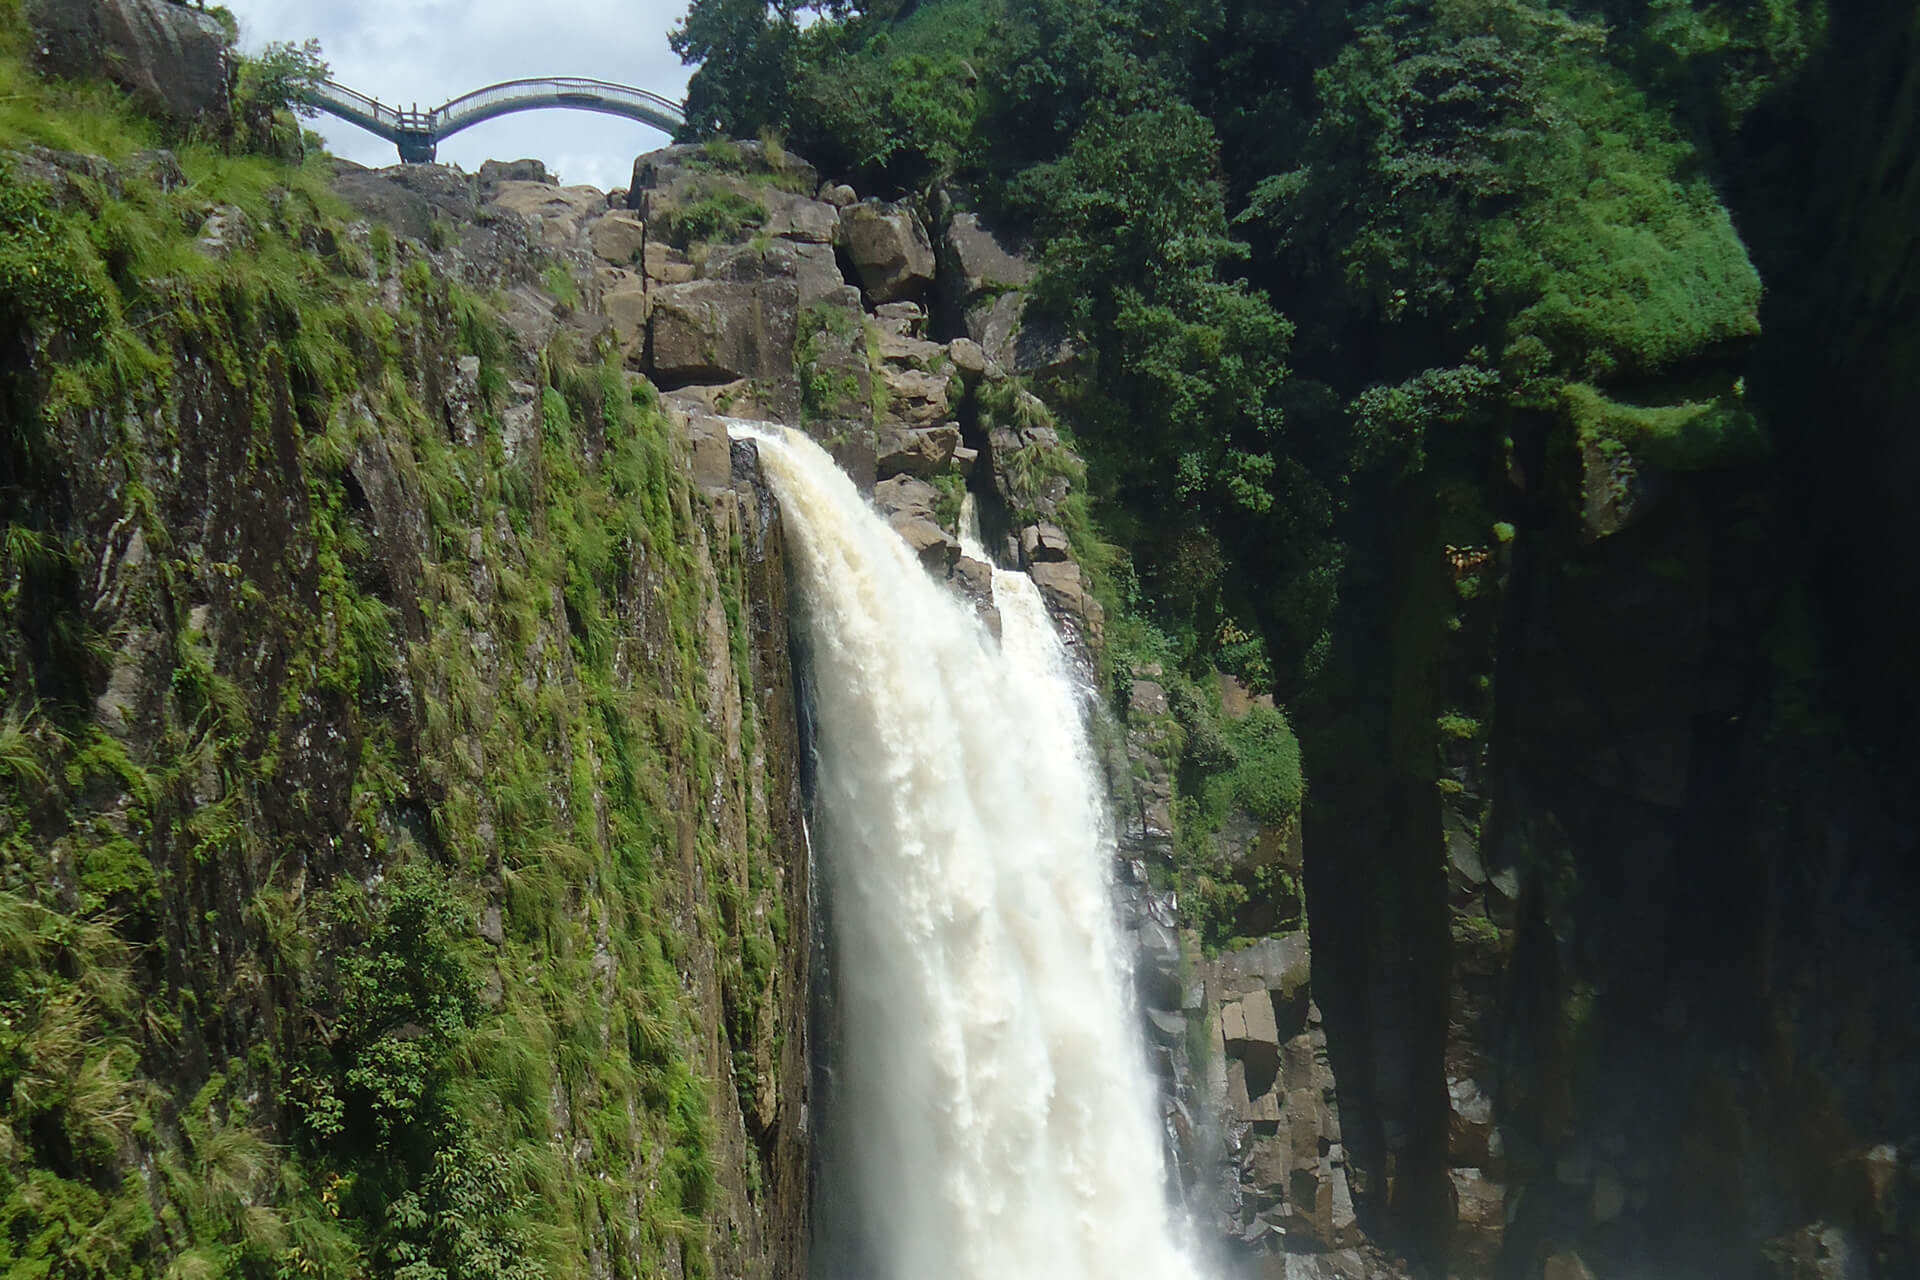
281,78
748,56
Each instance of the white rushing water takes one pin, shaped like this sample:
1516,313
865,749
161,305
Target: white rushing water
993,1111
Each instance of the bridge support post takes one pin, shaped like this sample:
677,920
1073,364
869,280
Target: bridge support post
416,148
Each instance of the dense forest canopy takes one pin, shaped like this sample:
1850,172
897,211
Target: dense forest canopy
1312,246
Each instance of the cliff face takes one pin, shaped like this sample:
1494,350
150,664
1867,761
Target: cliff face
1618,964
403,869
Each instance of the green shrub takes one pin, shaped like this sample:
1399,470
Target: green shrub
714,216
1266,778
49,284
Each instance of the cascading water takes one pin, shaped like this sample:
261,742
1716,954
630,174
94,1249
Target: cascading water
992,1115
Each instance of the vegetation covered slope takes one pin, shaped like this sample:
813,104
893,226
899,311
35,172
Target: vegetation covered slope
392,836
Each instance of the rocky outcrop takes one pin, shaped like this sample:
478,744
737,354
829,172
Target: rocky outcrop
721,330
172,59
1286,1185
889,249
983,293
976,266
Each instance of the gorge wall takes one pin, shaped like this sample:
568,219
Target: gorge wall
1624,965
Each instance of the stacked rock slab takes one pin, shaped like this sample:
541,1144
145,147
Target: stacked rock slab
1286,1186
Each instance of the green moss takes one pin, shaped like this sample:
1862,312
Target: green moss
1478,933
1698,433
827,390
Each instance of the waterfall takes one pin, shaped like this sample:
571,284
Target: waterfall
992,1113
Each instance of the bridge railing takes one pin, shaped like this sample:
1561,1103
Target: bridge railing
559,86
372,108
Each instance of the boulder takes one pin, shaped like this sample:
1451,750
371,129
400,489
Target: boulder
976,578
923,451
904,495
818,273
977,262
1469,1123
811,221
407,198
495,172
812,268
1281,965
1248,1101
999,323
994,323
224,231
1040,543
972,581
556,213
1564,1264
618,237
1156,965
1258,1020
839,195
909,352
935,547
162,169
723,399
889,250
747,161
170,58
915,398
67,175
967,357
720,330
1167,1027
1299,1062
1252,1040
627,306
851,443
905,319
767,188
664,264
1148,699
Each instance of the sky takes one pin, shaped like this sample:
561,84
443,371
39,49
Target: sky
427,51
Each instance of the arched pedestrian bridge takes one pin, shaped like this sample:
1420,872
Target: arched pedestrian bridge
417,133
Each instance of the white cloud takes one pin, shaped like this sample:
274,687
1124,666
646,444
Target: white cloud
427,51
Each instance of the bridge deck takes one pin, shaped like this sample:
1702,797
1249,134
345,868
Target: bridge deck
417,133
